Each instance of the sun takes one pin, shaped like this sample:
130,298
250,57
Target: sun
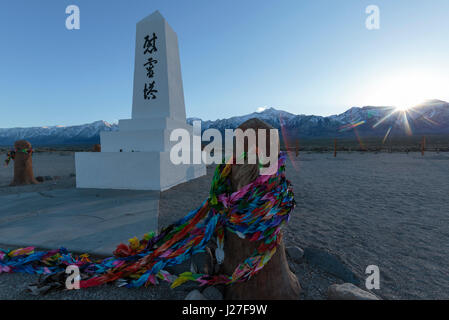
402,108
404,89
403,92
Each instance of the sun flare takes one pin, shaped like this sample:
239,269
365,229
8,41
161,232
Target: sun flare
404,89
402,108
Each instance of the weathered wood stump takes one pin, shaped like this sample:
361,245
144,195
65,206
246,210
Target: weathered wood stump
96,148
275,281
23,164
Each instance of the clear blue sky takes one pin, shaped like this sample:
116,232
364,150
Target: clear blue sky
311,57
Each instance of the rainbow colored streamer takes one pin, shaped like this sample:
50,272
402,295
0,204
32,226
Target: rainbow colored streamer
11,155
256,212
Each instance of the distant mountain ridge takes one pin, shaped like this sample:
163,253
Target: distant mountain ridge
431,117
57,135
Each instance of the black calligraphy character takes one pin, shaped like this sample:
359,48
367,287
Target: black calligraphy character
150,44
150,66
149,90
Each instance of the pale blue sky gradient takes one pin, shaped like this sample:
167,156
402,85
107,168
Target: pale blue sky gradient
311,57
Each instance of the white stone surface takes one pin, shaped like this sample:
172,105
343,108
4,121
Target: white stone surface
137,157
132,170
167,72
154,123
132,141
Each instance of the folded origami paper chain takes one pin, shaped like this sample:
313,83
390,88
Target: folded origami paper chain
11,155
256,212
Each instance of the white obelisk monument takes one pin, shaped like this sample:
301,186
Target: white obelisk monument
137,157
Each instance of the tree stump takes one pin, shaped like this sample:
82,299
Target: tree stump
96,148
275,281
23,164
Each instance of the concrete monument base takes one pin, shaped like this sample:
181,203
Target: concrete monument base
137,157
132,170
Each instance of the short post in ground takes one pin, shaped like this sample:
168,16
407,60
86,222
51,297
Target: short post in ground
23,164
297,147
335,147
423,145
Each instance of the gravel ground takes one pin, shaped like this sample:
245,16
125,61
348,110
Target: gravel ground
389,210
314,283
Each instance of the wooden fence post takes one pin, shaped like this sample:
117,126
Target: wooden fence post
423,145
297,147
335,147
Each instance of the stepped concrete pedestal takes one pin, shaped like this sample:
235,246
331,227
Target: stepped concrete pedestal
137,157
132,171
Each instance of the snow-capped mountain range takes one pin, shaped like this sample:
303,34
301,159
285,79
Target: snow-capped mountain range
57,135
431,117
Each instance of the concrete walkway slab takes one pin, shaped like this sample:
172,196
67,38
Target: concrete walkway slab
82,220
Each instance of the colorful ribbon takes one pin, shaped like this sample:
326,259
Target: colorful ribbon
256,212
11,155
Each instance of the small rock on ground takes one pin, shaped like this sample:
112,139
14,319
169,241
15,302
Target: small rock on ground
331,264
203,262
295,253
212,293
198,263
348,291
195,295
